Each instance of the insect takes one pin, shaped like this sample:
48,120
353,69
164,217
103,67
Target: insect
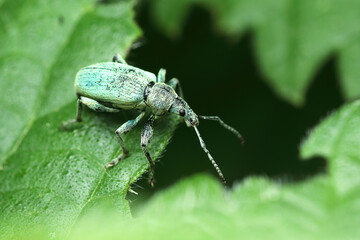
114,86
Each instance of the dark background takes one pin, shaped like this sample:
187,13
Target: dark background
220,76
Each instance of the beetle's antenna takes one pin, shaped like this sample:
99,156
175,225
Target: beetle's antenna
231,129
202,143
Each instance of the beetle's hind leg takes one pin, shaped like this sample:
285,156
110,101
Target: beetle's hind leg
175,84
117,58
90,103
78,118
96,106
161,75
123,129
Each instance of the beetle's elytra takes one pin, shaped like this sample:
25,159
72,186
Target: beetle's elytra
114,86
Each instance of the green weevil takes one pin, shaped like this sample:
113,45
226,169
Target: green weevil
114,86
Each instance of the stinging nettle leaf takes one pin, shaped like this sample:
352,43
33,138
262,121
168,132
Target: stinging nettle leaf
31,36
349,59
42,51
338,139
57,176
199,208
51,178
54,180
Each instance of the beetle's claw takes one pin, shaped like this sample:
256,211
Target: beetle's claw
109,165
65,125
70,124
116,160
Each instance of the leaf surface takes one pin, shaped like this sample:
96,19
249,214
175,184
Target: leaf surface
44,44
50,177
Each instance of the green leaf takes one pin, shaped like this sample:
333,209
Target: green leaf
55,176
198,208
324,207
349,69
44,43
54,182
50,177
338,139
292,38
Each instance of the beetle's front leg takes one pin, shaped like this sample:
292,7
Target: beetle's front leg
146,135
123,129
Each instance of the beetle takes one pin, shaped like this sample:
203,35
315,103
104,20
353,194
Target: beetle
114,86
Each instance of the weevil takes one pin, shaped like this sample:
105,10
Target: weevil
114,86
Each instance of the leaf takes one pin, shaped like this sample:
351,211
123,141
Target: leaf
43,46
198,208
292,38
349,70
323,207
50,177
338,139
55,176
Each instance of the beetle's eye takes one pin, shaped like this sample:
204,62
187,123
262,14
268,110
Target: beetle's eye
182,112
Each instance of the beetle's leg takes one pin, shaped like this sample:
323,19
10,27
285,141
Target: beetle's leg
78,118
117,58
231,129
175,83
146,135
90,103
161,75
123,129
96,106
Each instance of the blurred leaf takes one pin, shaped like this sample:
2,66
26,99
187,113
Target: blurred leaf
338,139
349,69
292,38
198,208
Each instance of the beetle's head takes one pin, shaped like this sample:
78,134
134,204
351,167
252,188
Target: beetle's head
181,108
162,98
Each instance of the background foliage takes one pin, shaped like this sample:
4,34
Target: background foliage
53,181
292,38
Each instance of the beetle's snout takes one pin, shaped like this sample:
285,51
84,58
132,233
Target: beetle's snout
192,120
181,108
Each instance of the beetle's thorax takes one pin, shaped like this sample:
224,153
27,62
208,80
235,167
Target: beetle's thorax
159,97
